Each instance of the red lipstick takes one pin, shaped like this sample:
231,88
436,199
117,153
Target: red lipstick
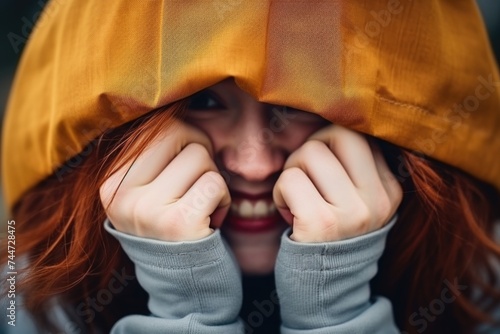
253,213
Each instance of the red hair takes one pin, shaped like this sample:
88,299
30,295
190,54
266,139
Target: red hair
443,236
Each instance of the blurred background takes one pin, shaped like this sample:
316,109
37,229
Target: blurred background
15,13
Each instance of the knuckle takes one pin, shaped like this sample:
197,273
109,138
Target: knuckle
136,210
363,215
201,155
123,211
106,191
325,217
394,186
397,189
214,179
383,209
312,148
139,208
363,219
171,217
290,175
198,150
117,203
306,153
343,131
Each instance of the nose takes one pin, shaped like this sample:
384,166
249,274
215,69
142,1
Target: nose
254,151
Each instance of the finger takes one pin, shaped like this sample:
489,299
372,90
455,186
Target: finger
325,171
293,191
204,197
160,153
182,172
353,152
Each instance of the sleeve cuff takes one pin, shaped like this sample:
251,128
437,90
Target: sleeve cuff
348,252
166,254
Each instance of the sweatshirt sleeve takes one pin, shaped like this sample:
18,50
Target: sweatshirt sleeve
324,287
193,287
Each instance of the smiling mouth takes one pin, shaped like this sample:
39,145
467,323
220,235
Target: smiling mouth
253,209
253,213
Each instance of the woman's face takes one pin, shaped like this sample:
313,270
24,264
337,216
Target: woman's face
251,141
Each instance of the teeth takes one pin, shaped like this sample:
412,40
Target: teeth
258,209
246,209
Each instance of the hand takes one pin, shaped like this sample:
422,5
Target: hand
172,192
336,186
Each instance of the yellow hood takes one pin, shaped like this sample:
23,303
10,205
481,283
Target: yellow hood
419,74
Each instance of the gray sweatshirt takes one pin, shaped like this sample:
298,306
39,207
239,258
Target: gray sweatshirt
195,287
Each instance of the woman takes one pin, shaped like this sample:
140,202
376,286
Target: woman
186,130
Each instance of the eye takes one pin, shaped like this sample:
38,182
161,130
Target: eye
204,100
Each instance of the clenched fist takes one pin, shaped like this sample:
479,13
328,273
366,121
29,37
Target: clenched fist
171,192
336,186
